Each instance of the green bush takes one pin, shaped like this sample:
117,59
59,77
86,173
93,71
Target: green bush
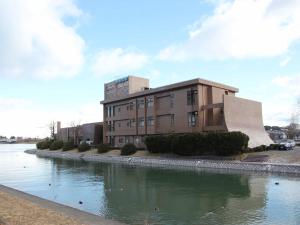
224,144
159,143
260,148
103,148
128,149
55,145
273,147
45,144
84,147
69,145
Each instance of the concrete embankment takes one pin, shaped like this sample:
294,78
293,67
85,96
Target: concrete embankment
174,162
20,208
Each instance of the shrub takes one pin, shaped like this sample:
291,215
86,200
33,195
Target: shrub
229,143
128,149
185,144
102,148
84,147
45,144
225,143
273,147
159,143
260,148
69,145
55,145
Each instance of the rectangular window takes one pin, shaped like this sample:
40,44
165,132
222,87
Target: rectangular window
150,102
131,104
172,120
127,139
121,140
150,121
132,123
141,122
191,97
172,100
141,103
119,109
192,118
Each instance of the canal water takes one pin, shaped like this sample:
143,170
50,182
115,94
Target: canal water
136,195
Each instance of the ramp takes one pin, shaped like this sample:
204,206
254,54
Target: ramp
246,116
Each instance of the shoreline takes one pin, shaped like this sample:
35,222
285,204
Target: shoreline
174,163
18,207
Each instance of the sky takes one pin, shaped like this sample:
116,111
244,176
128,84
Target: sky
56,55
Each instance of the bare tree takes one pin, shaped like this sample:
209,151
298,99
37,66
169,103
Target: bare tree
52,127
75,126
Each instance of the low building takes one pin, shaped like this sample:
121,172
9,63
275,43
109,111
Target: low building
85,132
132,111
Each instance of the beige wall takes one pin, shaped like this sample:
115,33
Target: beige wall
246,116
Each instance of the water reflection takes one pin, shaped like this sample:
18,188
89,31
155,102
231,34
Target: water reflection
160,196
137,195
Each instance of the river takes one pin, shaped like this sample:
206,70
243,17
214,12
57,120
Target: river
137,195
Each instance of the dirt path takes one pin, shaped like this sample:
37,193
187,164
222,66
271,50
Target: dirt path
16,211
19,208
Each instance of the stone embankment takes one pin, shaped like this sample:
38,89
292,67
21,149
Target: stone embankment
174,162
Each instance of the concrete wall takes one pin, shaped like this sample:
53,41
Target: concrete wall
246,116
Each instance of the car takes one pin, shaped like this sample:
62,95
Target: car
287,145
88,142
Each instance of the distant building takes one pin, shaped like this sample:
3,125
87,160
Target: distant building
85,132
132,111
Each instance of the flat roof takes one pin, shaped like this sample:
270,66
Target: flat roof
172,87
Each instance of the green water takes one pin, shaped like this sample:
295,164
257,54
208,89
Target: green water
136,195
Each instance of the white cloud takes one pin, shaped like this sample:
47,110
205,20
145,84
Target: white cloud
285,61
117,61
36,41
289,84
241,29
21,117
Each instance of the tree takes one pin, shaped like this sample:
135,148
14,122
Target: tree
52,127
75,126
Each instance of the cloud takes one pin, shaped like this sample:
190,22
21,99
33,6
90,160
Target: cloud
22,117
241,29
290,84
36,40
285,61
118,61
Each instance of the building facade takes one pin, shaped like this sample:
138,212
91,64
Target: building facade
85,132
132,110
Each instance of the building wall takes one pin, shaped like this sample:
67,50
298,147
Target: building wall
169,111
85,132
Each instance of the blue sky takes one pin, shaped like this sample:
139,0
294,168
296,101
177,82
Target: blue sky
56,55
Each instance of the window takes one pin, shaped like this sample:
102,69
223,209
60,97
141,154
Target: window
127,139
119,124
141,103
110,111
119,109
132,123
131,104
141,122
191,97
150,102
172,100
150,121
110,126
226,92
172,120
192,118
121,140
